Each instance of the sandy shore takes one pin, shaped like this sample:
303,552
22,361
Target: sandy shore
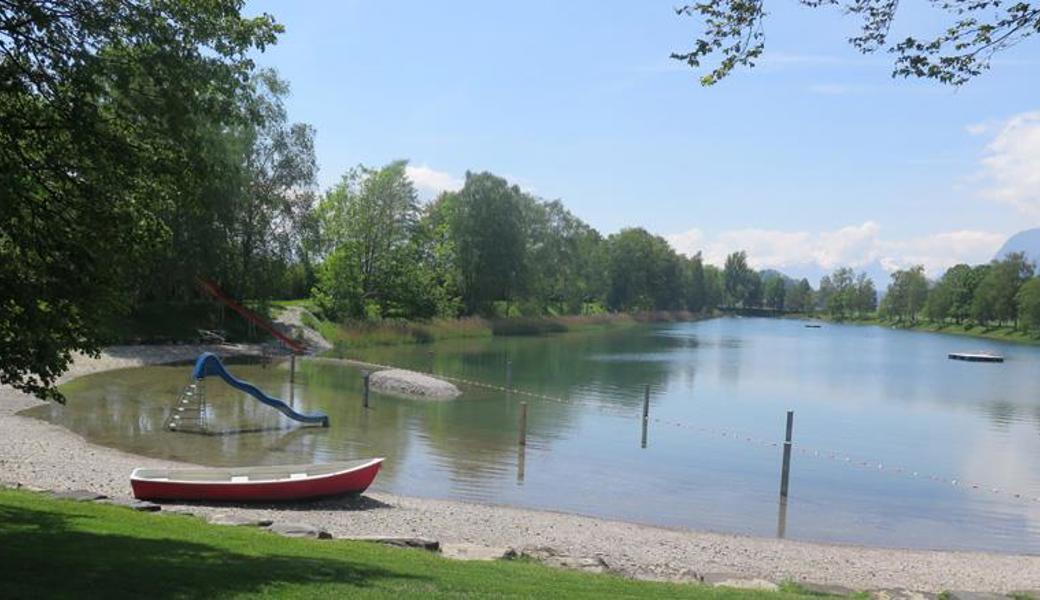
39,454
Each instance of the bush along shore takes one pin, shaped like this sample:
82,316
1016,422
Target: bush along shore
352,335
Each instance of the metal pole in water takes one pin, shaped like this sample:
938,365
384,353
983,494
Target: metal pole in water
781,519
785,473
364,395
509,374
646,412
523,424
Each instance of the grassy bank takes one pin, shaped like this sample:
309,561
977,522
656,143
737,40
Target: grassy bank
355,335
1003,334
989,332
54,548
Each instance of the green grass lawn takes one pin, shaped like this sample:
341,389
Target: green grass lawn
57,548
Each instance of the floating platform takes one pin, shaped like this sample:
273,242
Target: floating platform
976,357
813,325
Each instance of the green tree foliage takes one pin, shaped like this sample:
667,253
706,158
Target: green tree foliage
714,295
562,255
994,298
866,298
906,294
799,297
370,223
490,245
696,287
844,294
775,293
962,281
1028,300
742,286
245,214
953,295
939,305
103,107
973,32
841,293
643,272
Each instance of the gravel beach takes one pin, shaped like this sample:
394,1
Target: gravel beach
42,455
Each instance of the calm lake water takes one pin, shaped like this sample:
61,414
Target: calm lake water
884,423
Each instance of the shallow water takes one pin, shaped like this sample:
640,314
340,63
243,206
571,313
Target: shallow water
884,424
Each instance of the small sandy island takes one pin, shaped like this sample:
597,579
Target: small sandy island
410,384
38,454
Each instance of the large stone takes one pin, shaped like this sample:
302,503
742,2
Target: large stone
411,384
825,589
401,542
476,552
975,596
300,530
134,504
902,594
79,495
553,558
238,520
180,510
741,582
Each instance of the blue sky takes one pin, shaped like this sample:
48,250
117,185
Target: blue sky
813,159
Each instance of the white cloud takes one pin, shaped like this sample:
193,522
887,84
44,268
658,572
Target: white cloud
855,246
1011,162
939,251
432,181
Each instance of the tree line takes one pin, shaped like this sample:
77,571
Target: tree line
142,147
487,249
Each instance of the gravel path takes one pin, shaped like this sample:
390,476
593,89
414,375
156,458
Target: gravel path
39,454
291,318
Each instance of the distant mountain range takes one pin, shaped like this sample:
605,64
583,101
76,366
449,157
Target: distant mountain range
1027,241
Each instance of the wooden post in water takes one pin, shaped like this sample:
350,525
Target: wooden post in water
509,374
646,412
292,379
523,424
364,393
785,473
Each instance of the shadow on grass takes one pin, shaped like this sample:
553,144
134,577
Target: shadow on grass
49,554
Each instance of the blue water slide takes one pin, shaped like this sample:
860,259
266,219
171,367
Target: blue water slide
209,364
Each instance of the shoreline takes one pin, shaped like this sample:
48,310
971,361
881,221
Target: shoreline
1004,334
39,454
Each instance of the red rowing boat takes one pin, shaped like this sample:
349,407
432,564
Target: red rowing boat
256,484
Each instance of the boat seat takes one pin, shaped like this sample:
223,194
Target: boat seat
240,479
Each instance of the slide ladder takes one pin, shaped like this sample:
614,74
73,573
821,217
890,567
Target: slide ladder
209,364
214,290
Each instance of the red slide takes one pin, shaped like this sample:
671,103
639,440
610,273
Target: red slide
214,290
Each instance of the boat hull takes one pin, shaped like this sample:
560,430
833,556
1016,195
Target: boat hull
353,480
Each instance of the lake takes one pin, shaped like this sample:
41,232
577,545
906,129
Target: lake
895,445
